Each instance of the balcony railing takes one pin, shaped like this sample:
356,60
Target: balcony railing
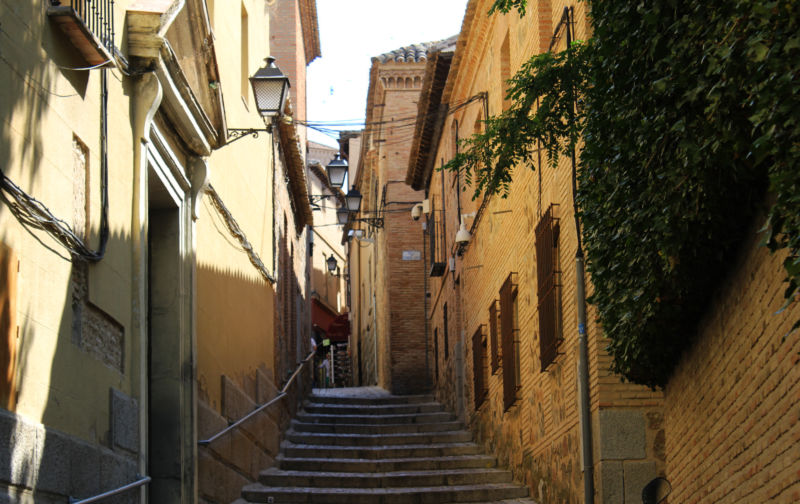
89,24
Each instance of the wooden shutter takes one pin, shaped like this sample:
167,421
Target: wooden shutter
479,368
509,342
494,335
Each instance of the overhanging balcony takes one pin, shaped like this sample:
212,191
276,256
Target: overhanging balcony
89,25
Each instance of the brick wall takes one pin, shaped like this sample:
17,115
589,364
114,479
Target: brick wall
538,436
387,277
732,414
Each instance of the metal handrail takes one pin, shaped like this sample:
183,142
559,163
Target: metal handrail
111,493
281,395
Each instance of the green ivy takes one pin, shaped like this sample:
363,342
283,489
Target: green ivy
688,110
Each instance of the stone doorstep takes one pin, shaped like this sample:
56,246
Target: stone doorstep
298,426
412,495
386,465
437,477
340,439
376,452
386,400
442,416
363,409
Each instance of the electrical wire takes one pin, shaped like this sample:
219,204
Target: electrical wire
32,213
237,233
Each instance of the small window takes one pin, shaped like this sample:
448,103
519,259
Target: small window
436,354
245,54
480,368
509,337
505,70
445,334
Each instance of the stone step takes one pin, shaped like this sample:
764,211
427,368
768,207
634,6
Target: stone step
385,465
388,399
278,477
374,409
338,439
441,416
411,495
379,452
376,429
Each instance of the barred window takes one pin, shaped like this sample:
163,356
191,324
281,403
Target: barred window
445,334
435,229
480,368
436,354
494,334
509,337
548,267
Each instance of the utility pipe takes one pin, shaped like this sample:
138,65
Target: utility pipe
585,406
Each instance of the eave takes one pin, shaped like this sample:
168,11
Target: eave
295,171
310,26
431,113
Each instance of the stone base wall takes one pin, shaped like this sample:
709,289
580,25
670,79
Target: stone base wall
43,466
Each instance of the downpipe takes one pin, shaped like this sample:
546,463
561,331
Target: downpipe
583,382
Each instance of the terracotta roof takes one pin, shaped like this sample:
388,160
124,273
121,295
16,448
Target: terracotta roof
415,53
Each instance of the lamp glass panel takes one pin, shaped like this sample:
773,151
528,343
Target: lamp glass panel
269,95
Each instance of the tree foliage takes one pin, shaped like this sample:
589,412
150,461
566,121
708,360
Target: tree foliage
689,110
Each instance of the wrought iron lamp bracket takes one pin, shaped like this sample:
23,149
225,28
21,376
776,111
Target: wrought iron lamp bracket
235,134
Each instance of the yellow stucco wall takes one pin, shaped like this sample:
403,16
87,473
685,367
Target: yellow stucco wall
43,107
235,305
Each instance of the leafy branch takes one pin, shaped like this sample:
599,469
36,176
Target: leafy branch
542,114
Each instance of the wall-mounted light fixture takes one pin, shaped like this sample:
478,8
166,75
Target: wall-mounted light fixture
270,88
353,199
337,170
332,264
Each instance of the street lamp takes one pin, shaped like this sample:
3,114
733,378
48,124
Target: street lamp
337,169
332,264
270,87
342,215
353,199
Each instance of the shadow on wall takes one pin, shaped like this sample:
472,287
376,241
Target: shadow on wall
81,387
235,335
292,314
28,81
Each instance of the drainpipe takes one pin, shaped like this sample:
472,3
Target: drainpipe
580,293
146,100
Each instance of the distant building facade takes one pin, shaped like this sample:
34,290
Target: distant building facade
387,267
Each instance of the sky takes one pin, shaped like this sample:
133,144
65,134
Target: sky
351,33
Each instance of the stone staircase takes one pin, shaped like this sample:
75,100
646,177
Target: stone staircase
352,449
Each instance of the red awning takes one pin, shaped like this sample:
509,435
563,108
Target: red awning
339,330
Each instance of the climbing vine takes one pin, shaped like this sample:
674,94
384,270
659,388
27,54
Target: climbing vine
688,112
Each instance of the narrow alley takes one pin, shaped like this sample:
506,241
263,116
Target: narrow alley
354,251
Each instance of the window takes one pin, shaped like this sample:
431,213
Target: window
435,228
480,369
436,354
505,70
446,333
494,322
509,337
548,269
245,54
